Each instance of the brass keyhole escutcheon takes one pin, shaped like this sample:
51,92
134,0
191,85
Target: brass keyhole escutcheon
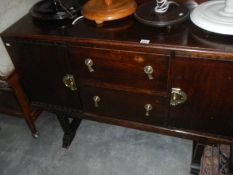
89,63
149,70
69,82
96,100
177,97
148,108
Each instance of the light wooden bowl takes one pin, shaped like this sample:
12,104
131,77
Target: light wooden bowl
107,10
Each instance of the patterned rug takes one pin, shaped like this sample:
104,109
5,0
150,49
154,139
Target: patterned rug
215,160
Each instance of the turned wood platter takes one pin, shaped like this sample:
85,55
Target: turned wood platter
108,10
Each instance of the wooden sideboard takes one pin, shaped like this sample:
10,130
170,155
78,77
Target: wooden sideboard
176,81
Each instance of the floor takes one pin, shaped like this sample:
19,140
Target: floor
98,149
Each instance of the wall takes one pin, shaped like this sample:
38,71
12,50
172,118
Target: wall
10,11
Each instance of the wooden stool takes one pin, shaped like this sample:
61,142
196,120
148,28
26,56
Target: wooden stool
14,102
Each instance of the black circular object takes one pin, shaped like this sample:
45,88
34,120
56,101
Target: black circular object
147,15
48,10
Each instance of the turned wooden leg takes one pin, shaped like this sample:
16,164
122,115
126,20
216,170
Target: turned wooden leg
69,128
13,81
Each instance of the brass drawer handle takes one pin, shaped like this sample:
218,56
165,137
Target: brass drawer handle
149,70
148,108
96,101
177,97
69,82
89,63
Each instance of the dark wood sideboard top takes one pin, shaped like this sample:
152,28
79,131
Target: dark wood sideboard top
185,39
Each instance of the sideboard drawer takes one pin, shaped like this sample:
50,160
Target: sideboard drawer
126,106
121,68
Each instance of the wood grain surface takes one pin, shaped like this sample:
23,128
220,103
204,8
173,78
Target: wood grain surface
107,10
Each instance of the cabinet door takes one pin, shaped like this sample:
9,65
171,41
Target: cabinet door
42,67
209,88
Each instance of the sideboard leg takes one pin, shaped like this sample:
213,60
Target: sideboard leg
69,128
197,152
231,161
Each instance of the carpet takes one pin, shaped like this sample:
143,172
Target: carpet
98,149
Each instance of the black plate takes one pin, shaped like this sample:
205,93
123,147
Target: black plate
46,10
175,14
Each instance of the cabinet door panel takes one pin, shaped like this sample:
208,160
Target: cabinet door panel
209,87
42,67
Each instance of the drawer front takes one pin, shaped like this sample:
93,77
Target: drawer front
121,69
126,106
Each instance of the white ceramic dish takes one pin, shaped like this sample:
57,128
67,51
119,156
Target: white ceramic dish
214,16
